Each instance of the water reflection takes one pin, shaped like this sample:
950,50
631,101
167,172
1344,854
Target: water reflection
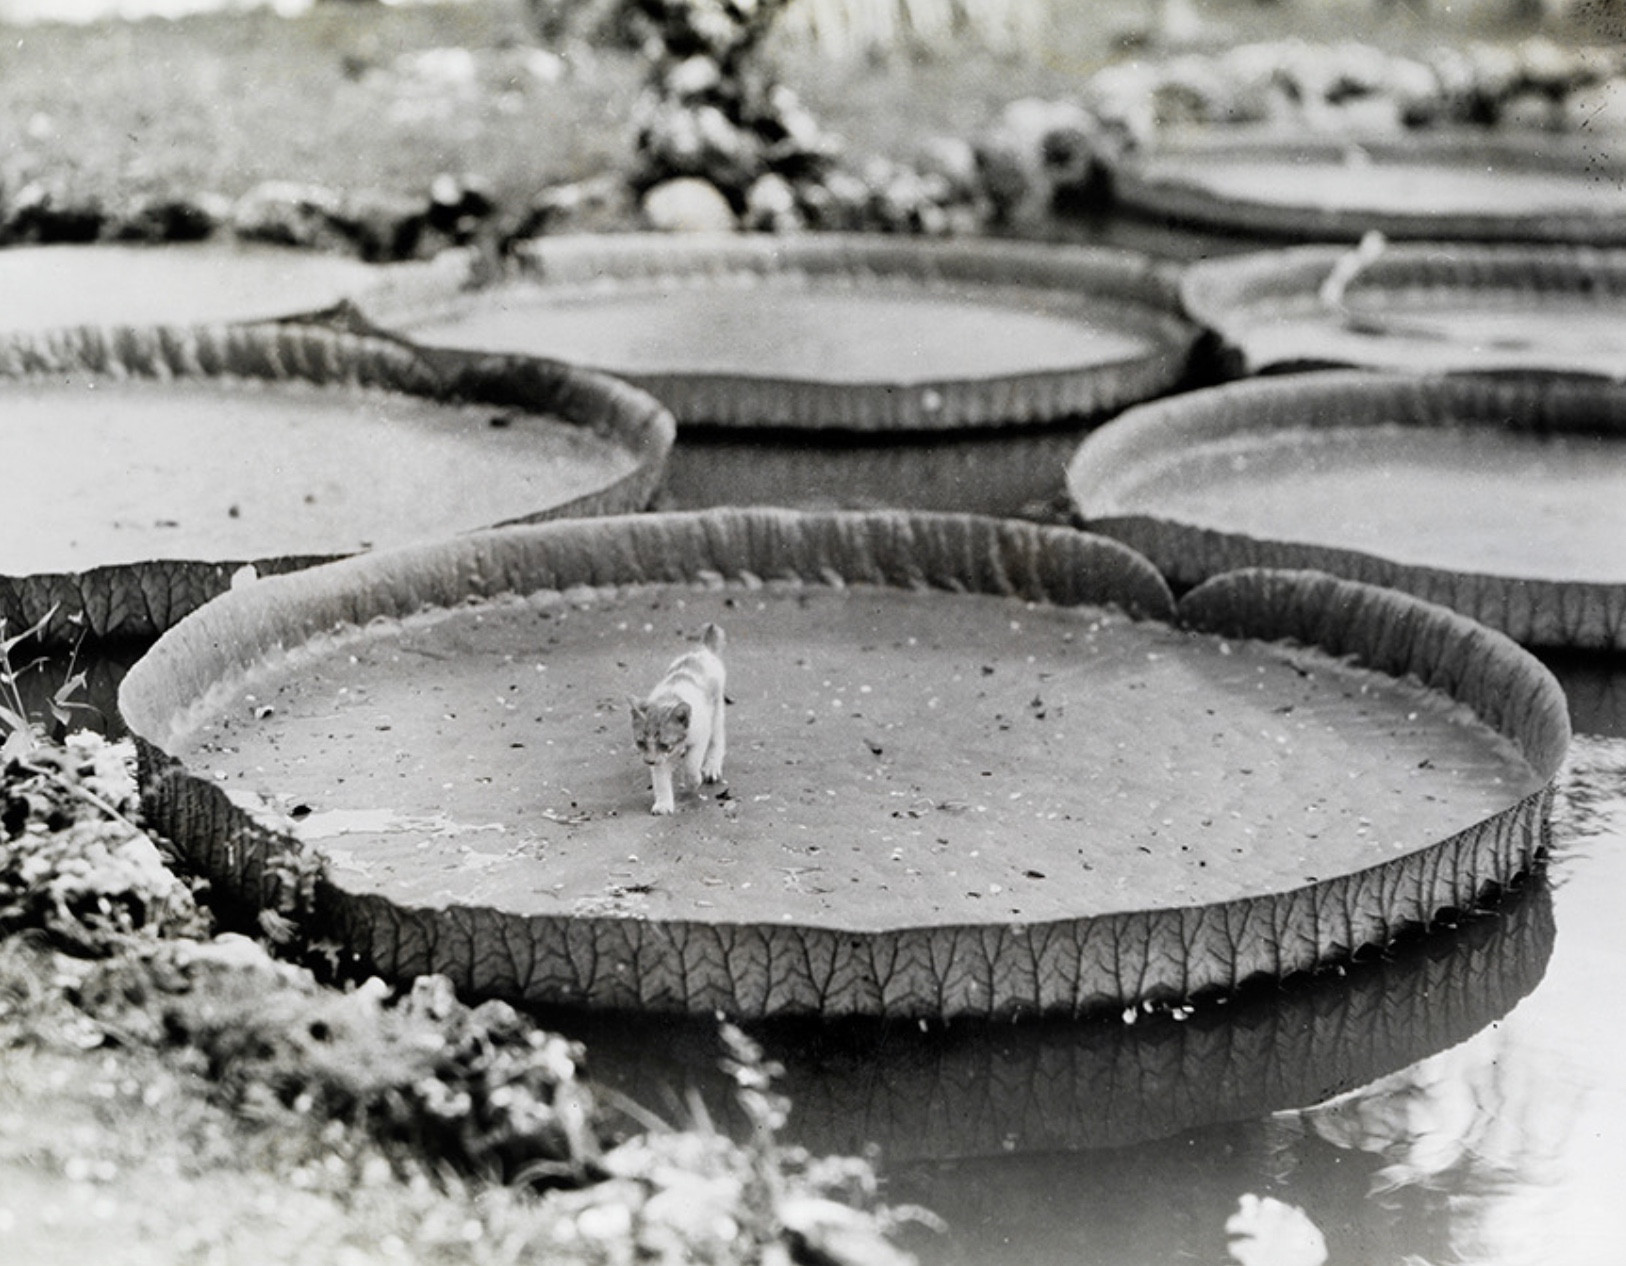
975,471
1106,1141
1519,1135
969,1089
1595,685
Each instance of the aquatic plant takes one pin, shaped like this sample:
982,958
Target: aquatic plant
74,866
20,732
694,1195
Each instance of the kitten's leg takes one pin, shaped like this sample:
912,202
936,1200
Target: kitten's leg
661,776
712,770
691,763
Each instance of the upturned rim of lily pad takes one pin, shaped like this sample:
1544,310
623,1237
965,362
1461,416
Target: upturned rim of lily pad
1134,290
253,853
1190,199
1256,302
210,282
1534,610
141,599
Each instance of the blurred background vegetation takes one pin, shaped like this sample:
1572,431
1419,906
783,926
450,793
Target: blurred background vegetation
520,94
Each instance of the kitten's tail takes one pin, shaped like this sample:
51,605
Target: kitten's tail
711,637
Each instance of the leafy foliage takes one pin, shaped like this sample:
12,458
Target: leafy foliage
695,1196
73,867
19,731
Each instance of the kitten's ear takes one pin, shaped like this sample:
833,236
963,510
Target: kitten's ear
681,711
638,706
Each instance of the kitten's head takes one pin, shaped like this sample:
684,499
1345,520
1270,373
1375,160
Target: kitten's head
659,728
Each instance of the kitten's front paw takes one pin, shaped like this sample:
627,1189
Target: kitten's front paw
712,773
662,809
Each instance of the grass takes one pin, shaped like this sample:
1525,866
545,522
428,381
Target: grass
125,1156
124,1153
221,103
116,1157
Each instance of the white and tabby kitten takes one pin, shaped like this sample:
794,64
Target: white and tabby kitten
682,720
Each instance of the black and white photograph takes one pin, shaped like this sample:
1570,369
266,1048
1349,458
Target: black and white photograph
812,632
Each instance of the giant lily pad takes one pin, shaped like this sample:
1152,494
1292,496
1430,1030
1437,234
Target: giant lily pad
974,768
148,465
50,287
1418,307
1441,184
952,363
1499,496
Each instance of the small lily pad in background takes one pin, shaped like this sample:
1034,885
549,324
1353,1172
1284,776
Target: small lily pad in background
1449,183
1419,306
1499,496
49,287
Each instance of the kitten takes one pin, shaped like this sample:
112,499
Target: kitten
682,720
